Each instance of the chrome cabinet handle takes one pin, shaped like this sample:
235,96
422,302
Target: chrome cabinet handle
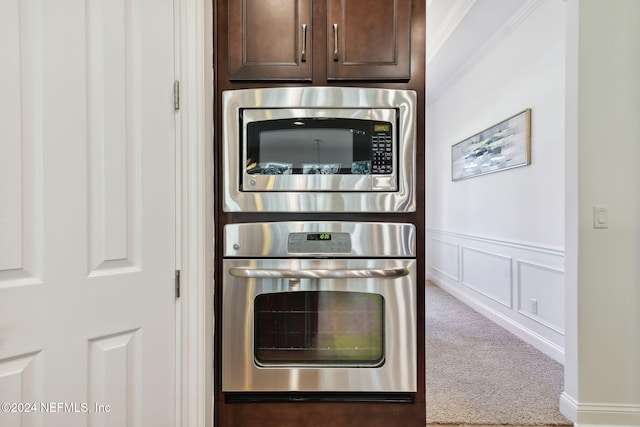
365,273
304,43
335,42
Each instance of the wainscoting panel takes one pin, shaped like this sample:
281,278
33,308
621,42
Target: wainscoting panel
518,285
446,259
541,290
487,273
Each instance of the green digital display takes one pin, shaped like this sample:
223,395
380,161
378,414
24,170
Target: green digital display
319,236
381,127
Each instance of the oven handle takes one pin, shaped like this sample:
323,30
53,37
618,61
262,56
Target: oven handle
365,273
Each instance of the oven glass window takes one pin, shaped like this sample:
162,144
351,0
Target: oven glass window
318,147
319,328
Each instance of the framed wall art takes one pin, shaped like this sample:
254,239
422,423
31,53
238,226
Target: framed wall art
505,145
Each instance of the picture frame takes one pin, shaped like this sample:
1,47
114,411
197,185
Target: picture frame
505,145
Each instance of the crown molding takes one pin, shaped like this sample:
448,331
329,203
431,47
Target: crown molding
444,28
500,34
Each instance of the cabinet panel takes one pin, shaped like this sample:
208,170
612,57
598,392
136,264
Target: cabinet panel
269,39
368,40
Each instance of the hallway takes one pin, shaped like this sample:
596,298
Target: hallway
479,373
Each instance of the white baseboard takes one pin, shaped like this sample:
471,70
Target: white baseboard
599,414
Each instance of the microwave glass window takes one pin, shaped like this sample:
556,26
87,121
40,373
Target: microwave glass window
318,146
323,152
319,328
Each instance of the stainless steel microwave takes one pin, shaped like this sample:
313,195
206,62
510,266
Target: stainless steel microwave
319,149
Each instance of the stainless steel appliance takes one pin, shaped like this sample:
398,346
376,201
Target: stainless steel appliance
319,149
319,307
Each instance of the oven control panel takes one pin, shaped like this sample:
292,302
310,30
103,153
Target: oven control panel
319,243
319,239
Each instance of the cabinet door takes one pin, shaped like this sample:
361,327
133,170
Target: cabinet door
369,40
269,39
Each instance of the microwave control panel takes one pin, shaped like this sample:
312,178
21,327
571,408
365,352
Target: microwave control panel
319,243
381,149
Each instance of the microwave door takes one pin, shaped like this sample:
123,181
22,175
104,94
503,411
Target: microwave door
315,150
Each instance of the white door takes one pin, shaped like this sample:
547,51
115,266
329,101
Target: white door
87,213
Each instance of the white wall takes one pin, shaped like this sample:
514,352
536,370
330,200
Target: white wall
602,377
497,241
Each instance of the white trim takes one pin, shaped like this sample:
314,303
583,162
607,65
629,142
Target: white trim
599,414
194,54
551,250
568,406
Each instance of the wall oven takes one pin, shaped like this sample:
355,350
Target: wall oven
319,149
316,308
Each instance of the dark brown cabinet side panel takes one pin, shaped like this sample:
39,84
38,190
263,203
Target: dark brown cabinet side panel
269,39
369,40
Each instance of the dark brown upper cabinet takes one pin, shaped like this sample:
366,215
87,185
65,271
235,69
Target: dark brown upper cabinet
273,39
269,39
369,40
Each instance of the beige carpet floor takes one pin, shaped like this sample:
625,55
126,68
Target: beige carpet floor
479,373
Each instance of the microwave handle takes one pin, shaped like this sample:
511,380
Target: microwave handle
365,273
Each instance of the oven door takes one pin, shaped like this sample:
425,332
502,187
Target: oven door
313,325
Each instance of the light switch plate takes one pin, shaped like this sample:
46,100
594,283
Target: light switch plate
600,217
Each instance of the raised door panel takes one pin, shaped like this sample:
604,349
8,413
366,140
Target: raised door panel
113,137
369,40
269,39
21,141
